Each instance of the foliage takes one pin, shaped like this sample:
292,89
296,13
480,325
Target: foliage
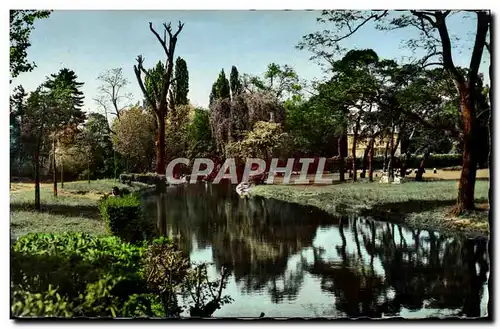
95,142
201,143
46,304
312,126
235,82
21,25
134,137
92,276
181,82
122,216
230,120
264,141
78,275
148,178
165,268
221,88
280,81
176,131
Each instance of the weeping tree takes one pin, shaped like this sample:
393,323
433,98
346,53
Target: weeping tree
158,99
231,120
435,41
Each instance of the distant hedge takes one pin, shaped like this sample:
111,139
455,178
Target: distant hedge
433,161
148,178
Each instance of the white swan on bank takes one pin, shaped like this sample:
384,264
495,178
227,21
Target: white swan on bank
243,188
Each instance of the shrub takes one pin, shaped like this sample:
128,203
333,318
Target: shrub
46,304
122,216
79,275
74,274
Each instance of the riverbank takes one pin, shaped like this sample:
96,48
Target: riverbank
422,205
75,209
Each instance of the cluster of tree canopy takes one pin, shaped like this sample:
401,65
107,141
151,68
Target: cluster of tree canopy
435,106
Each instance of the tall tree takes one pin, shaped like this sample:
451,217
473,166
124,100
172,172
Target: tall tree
434,39
235,82
47,111
110,98
213,94
181,82
134,134
64,87
158,101
21,25
17,108
222,88
98,146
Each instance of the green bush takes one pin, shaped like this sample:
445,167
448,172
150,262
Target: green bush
79,275
74,274
122,216
46,304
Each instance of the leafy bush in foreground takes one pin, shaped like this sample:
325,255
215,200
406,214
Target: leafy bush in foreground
79,275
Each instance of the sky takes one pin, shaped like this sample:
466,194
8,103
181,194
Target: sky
91,42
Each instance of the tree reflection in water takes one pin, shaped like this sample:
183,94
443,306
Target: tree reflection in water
378,268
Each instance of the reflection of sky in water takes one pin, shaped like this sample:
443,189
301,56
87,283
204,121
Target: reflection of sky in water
316,291
311,301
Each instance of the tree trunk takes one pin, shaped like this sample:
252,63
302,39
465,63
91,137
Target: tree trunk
160,146
354,142
394,147
365,162
390,164
341,160
62,173
88,170
36,158
465,201
370,159
404,164
421,167
385,155
54,168
115,164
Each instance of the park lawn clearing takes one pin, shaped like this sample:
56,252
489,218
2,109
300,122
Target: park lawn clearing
418,204
75,209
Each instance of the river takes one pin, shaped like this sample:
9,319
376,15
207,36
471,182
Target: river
288,260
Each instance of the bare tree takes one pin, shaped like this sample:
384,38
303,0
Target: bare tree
111,92
158,100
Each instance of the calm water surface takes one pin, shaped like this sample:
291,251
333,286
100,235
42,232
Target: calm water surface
288,260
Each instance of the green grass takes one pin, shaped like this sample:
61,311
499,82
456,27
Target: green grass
75,209
423,204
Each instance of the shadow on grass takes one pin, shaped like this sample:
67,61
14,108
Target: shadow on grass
413,206
91,212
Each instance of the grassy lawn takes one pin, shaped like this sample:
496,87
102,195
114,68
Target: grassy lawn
73,210
418,204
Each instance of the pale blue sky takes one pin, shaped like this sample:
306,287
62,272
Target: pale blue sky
89,42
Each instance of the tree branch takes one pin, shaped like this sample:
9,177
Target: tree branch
446,44
483,21
137,69
162,42
352,31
